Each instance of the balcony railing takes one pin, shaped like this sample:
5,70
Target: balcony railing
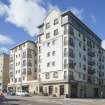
91,62
91,70
91,53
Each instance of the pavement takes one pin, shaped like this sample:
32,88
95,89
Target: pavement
43,100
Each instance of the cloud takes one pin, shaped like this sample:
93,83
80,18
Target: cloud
93,18
4,49
103,44
4,40
26,14
78,12
3,9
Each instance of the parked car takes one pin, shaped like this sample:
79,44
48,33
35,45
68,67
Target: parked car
11,93
22,93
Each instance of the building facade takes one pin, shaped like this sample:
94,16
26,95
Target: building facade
70,58
4,71
23,67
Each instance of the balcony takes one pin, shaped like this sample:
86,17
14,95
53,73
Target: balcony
91,62
91,71
91,53
71,77
89,79
101,74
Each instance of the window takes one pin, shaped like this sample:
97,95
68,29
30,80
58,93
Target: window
39,49
19,79
84,67
18,63
18,71
29,53
39,39
48,54
71,31
23,78
79,34
15,79
71,64
80,44
19,55
47,35
84,77
29,63
65,29
48,64
71,42
39,59
65,52
53,42
65,40
48,44
80,65
24,62
39,68
79,75
11,59
55,21
53,63
65,75
56,32
47,25
16,56
29,72
84,47
47,76
24,54
55,74
79,54
84,57
24,71
65,63
84,38
71,53
53,53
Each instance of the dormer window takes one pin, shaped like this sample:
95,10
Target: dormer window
56,21
47,25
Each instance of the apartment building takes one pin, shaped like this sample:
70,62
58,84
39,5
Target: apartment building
23,67
4,71
70,58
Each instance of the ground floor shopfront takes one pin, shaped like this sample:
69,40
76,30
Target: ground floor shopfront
73,89
61,89
31,87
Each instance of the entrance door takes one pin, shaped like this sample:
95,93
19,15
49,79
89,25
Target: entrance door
41,89
50,90
25,88
61,90
74,90
96,92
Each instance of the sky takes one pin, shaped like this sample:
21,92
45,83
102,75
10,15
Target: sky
19,18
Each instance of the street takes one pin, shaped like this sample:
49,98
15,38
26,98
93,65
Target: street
40,100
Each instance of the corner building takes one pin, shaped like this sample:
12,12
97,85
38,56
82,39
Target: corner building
70,58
